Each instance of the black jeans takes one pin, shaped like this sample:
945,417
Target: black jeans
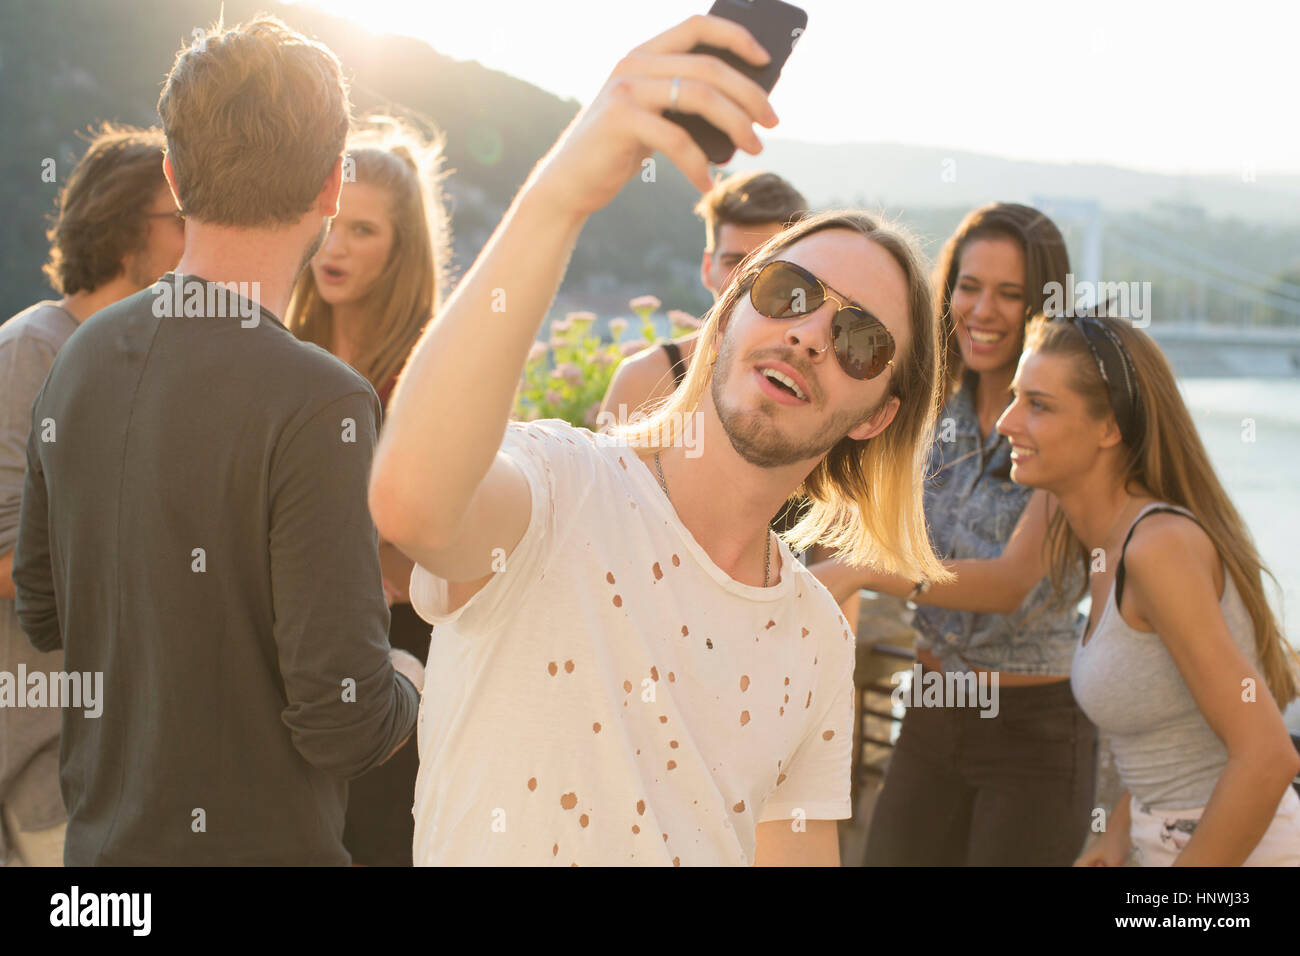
379,829
1012,790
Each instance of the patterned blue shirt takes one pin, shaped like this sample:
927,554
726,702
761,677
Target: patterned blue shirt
972,506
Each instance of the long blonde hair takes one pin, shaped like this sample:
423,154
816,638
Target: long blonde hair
866,495
389,153
1170,461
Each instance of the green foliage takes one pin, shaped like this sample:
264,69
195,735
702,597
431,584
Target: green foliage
568,375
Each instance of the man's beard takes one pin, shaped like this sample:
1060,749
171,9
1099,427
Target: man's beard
314,247
755,437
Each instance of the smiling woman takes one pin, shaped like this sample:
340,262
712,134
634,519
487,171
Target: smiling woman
945,804
1184,664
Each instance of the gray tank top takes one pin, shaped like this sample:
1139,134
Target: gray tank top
1129,686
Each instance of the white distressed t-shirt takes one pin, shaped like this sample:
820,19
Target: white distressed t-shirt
612,697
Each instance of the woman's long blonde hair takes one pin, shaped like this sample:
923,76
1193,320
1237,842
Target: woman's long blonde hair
1170,461
866,495
390,153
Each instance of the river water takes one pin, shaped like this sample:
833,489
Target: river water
1261,476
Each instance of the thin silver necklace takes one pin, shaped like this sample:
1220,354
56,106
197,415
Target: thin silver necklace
767,550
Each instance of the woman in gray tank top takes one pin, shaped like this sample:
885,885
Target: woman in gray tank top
1182,662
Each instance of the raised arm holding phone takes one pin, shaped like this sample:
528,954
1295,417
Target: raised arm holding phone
437,463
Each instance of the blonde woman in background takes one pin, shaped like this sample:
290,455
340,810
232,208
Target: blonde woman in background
371,288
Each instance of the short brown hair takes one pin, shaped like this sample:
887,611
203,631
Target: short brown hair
255,117
748,199
102,207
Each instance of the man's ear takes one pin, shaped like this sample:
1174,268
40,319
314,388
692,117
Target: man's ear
878,421
328,200
170,174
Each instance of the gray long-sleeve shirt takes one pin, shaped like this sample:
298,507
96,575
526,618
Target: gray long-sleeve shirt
29,737
194,527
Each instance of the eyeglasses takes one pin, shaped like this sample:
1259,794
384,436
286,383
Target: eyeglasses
863,346
1116,368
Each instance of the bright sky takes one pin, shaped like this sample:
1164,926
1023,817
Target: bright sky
1172,86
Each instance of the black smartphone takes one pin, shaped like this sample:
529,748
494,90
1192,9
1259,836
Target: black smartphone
776,26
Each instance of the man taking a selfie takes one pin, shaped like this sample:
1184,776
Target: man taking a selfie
627,667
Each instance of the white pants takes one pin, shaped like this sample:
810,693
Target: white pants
1159,835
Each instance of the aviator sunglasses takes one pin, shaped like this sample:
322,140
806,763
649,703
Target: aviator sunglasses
863,346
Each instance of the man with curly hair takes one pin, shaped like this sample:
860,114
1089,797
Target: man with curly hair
117,229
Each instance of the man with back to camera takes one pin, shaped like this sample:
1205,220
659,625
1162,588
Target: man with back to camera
197,530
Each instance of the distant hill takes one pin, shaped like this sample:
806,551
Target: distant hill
895,175
65,64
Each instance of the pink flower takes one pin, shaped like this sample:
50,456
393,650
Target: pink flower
537,352
580,317
617,326
680,319
560,327
631,348
553,397
602,359
589,419
643,305
569,372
